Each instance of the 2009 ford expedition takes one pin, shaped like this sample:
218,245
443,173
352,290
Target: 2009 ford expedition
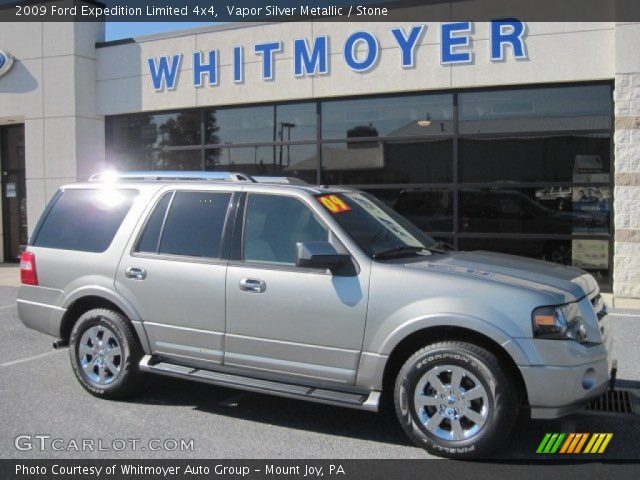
311,292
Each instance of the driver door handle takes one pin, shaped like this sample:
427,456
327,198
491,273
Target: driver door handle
252,285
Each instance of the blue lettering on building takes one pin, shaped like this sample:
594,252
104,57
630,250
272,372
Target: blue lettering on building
407,43
209,68
507,33
164,74
454,38
238,64
354,41
314,61
361,52
267,50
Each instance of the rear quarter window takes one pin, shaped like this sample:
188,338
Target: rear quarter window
84,220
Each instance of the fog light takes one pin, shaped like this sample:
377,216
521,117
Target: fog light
589,379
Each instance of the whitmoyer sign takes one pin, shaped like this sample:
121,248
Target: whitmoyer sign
361,51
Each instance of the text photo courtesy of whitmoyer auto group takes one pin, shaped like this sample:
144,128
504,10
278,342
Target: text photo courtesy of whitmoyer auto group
392,239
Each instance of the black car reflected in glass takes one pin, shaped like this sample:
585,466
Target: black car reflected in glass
510,211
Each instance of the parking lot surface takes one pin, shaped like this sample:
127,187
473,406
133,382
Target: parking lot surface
169,418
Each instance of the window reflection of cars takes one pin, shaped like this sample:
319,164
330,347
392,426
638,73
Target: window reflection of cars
430,210
590,194
500,211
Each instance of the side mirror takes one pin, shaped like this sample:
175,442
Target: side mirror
319,255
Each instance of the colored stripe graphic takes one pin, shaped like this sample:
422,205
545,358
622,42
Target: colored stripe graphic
574,443
581,443
576,439
591,443
567,442
555,447
598,443
543,443
550,443
605,443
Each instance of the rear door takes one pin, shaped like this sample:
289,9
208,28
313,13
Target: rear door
174,275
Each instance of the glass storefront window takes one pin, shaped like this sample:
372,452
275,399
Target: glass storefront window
240,125
146,131
296,121
571,108
176,160
541,210
430,209
249,160
282,160
541,158
413,115
155,160
364,163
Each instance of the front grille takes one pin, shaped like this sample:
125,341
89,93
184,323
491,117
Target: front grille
616,401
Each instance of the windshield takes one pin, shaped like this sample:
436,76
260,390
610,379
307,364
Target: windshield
375,227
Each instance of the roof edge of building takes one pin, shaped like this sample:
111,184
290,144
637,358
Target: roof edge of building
182,33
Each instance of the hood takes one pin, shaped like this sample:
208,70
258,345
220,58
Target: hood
566,283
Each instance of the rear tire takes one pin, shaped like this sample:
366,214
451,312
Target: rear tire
105,354
454,400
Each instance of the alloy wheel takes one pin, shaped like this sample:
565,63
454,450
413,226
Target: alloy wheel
100,355
451,402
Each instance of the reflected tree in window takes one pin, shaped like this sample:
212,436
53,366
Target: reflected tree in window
182,129
211,129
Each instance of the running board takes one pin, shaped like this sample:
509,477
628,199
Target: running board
369,402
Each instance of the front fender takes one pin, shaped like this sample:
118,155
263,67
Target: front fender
472,323
394,323
373,362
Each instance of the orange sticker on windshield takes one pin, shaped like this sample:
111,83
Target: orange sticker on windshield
333,203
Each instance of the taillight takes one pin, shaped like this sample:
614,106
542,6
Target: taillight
28,273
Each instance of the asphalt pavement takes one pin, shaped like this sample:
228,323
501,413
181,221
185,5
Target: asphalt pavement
45,413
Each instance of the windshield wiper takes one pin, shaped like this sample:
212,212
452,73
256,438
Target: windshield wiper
398,252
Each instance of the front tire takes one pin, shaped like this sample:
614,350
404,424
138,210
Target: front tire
454,400
105,354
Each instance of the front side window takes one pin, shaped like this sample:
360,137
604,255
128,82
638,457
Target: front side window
85,220
376,228
193,225
274,225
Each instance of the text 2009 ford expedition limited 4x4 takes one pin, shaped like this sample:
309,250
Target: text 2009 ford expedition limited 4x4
310,292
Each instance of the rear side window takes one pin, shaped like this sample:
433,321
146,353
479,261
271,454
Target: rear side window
149,239
84,220
193,225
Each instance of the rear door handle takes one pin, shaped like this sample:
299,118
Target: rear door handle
252,285
135,273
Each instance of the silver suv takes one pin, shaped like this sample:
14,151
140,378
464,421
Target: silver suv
310,292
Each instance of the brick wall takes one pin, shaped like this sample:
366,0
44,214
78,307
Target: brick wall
626,282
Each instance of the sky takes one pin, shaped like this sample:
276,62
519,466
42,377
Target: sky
118,30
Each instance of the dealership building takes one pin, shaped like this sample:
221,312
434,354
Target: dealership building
517,137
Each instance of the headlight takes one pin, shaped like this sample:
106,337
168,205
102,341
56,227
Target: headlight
559,323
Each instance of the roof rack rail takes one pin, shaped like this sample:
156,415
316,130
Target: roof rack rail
157,175
280,180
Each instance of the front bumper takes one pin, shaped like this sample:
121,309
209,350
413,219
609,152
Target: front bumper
564,374
557,391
